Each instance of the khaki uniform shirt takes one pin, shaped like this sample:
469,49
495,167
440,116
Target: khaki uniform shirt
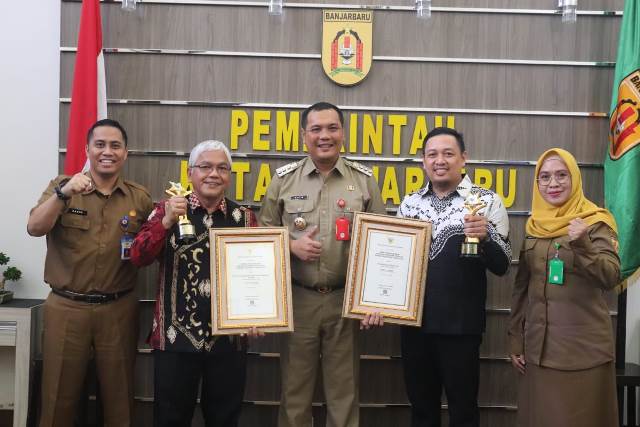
565,326
83,247
299,190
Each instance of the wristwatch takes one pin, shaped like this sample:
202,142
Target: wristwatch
60,194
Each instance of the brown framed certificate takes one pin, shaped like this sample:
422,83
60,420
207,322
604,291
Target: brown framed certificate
250,280
387,268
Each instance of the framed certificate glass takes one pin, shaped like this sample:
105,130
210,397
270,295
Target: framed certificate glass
387,268
250,280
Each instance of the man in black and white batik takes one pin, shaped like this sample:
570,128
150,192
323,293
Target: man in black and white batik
444,352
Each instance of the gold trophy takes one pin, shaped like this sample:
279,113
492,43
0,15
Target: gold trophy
186,231
470,246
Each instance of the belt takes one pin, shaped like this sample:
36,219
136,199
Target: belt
90,298
319,289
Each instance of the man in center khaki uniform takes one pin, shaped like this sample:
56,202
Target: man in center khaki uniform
312,198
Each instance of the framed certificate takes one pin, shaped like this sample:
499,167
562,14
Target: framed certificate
250,280
387,268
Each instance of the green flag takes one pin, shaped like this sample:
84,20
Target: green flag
622,163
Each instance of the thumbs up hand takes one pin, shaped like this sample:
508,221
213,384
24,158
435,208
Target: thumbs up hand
305,247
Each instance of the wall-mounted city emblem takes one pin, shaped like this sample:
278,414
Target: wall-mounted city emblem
347,45
625,119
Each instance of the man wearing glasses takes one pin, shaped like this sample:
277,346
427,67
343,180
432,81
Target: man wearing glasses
89,220
181,332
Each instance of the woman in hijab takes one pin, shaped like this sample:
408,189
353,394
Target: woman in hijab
560,332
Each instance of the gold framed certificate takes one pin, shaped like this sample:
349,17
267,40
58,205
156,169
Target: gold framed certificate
387,268
250,280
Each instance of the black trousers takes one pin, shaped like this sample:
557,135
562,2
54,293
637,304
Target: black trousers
177,380
433,362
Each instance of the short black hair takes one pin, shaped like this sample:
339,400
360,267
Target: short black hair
444,131
107,122
320,106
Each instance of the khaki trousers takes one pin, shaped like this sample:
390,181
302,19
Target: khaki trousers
73,332
320,331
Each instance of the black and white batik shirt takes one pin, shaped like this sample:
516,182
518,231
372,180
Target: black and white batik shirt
456,287
446,215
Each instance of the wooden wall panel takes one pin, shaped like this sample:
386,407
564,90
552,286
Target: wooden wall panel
487,136
466,35
515,87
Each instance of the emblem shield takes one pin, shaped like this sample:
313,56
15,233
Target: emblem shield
624,132
347,45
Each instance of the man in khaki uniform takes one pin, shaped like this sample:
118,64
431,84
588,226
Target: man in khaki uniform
313,198
90,220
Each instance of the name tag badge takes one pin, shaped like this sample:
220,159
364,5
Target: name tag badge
556,271
77,211
126,242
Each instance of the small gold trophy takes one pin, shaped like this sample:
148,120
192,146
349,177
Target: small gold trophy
473,204
186,231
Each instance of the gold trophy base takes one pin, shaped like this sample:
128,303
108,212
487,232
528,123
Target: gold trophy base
186,232
470,248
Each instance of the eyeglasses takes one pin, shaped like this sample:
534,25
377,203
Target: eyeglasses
205,168
561,177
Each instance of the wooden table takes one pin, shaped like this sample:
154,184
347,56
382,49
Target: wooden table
20,326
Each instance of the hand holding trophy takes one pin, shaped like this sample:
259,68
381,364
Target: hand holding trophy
186,231
470,246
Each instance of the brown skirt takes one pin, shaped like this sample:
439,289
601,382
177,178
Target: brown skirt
553,398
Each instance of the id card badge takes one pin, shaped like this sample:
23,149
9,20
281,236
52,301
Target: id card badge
126,242
556,271
342,228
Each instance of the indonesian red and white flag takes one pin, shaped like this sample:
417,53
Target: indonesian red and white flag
89,93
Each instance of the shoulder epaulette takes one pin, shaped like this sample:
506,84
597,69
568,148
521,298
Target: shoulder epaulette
137,186
288,168
359,167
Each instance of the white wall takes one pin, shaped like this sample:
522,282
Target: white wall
29,116
633,323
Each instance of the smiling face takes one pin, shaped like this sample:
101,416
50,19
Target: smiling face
443,162
554,181
106,152
323,137
210,185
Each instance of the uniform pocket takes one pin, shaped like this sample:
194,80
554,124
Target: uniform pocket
293,207
74,221
299,216
354,202
565,253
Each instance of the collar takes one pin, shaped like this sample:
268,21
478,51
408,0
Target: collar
194,203
463,188
310,167
120,185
